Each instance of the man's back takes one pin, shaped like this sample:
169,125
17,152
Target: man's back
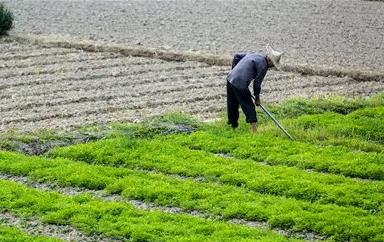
247,67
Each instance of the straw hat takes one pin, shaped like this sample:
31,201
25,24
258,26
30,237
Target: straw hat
274,55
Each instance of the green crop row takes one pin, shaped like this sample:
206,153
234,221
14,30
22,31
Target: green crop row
342,223
280,151
166,154
362,130
118,220
303,106
11,234
330,122
365,124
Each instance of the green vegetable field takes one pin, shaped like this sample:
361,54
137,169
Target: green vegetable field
173,178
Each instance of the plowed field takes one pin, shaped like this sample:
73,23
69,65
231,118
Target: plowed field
343,33
46,87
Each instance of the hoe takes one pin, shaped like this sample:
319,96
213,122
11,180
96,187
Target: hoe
275,121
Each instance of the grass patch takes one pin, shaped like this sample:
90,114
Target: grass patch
41,141
6,19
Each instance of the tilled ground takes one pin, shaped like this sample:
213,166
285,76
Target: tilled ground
343,34
46,87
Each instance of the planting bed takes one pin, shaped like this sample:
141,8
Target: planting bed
47,87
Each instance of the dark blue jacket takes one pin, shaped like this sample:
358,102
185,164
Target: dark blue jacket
247,67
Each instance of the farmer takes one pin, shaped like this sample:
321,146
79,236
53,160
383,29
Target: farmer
245,68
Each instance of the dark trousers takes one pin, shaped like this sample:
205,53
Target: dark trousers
242,98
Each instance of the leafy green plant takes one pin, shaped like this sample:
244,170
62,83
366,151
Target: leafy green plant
6,19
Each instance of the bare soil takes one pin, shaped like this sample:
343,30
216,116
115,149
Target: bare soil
62,88
343,34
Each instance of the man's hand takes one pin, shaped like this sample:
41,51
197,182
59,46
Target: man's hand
257,101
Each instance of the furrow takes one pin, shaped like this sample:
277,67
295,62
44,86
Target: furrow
47,90
75,67
10,44
300,82
114,93
112,114
87,107
37,53
92,46
56,59
279,76
74,121
14,48
95,74
356,89
35,227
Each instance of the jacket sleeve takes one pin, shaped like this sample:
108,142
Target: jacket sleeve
237,58
261,71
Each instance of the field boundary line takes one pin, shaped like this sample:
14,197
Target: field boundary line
60,41
150,206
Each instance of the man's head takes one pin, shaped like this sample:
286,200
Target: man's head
273,57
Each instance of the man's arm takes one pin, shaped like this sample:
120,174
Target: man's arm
237,58
261,71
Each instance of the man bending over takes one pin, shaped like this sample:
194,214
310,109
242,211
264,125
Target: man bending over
247,67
